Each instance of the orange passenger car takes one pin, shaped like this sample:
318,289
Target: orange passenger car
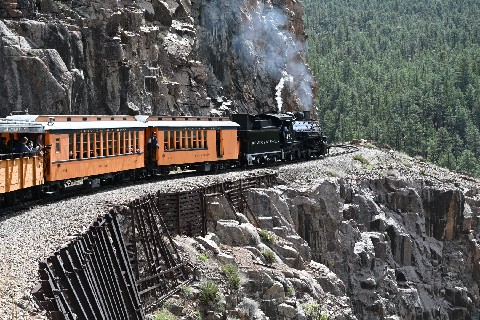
21,172
90,146
192,142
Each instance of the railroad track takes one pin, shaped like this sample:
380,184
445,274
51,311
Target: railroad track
75,191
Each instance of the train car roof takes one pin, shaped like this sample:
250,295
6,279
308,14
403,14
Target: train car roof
90,122
19,126
169,124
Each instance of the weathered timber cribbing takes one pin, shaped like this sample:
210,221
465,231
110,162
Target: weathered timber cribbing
183,212
101,276
234,190
91,278
158,267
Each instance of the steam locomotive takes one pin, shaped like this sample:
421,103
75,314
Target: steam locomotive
90,150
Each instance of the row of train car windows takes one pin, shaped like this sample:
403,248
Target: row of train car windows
100,144
175,140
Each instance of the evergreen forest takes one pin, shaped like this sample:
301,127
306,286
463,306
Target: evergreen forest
405,74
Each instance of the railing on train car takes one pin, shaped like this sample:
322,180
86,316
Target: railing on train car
17,155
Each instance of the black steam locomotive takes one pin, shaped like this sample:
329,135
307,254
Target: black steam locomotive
273,137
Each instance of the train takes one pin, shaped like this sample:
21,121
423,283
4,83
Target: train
90,150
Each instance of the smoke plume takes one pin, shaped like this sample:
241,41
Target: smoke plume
264,41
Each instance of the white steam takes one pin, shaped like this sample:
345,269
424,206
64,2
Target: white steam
279,88
265,42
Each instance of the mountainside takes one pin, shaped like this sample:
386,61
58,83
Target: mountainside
405,74
152,56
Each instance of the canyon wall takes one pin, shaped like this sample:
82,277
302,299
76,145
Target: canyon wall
400,249
152,57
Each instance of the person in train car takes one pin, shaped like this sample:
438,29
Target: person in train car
24,146
4,147
152,145
38,145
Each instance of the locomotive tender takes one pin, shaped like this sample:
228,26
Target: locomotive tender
88,150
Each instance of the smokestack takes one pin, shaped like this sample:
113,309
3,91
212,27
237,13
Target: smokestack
306,115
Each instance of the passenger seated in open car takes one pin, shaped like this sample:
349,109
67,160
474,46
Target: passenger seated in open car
4,147
24,147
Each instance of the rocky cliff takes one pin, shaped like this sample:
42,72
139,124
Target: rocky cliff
373,235
152,56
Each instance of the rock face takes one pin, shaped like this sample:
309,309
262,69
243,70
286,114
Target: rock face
152,57
400,249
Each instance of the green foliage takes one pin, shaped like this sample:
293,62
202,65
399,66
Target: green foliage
269,256
209,294
231,272
402,74
313,312
185,290
267,236
290,292
164,314
360,159
202,257
331,173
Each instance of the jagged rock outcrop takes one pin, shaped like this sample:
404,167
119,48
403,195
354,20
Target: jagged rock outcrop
400,249
152,56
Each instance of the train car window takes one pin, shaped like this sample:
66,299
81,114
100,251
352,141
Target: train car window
130,141
91,144
105,144
205,139
121,140
137,145
116,144
172,142
184,140
57,145
71,139
95,144
194,133
165,140
200,140
100,144
110,143
77,145
122,143
177,140
85,145
189,138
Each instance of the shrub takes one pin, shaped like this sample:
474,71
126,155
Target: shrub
209,294
269,255
267,236
164,314
233,277
290,292
250,309
313,312
360,159
202,257
185,290
197,314
331,173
